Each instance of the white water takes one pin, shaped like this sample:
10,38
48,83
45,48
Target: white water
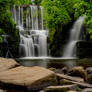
70,50
33,35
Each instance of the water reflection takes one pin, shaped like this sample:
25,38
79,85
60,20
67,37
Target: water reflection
56,63
70,64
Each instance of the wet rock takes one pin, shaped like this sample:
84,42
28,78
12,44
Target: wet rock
65,82
74,80
30,77
62,76
89,70
6,64
71,91
61,71
42,91
58,71
52,69
81,84
64,70
79,72
64,88
89,79
2,90
87,90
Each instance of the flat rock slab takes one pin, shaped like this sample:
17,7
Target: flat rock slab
6,64
63,88
27,76
87,90
62,76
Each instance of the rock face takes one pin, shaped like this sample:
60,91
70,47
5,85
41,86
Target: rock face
78,71
6,64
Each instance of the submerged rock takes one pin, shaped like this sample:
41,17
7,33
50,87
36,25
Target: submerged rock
79,72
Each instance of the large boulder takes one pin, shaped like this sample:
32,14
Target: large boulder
6,64
30,77
79,72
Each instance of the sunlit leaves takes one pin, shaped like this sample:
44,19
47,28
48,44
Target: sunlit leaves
56,12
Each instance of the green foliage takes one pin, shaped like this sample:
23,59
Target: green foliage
37,2
60,11
0,39
56,12
81,8
23,2
7,25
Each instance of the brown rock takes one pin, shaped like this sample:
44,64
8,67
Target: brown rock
1,90
6,64
28,76
71,91
89,70
64,88
87,90
42,91
65,82
61,71
83,85
74,80
89,78
79,72
62,76
52,69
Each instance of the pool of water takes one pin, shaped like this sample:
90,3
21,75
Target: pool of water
55,62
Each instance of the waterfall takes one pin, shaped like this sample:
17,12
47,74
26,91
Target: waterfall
70,50
33,35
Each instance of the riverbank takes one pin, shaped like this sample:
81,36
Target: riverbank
17,78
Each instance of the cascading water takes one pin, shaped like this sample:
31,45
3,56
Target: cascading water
33,35
69,50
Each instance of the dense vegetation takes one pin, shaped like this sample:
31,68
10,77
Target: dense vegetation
60,15
8,26
60,11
